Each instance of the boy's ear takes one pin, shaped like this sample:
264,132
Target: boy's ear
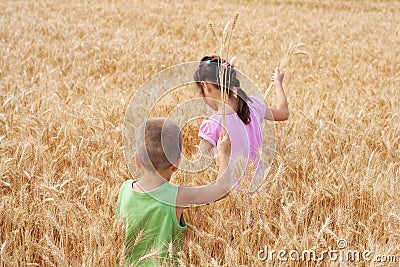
137,161
176,166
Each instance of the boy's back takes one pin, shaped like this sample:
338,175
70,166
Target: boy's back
150,217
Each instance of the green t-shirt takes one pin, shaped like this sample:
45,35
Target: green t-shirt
154,213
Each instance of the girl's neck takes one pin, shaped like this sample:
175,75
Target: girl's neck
230,106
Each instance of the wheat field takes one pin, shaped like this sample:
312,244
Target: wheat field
68,70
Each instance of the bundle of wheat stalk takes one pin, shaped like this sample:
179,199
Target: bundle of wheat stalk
225,67
292,51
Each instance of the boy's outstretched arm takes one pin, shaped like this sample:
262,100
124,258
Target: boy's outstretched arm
195,195
281,112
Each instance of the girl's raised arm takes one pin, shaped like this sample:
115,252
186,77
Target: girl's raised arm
281,112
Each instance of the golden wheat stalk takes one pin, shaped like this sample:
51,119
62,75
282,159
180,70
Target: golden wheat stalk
292,51
231,62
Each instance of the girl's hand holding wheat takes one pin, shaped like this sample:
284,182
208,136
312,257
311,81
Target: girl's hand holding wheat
277,77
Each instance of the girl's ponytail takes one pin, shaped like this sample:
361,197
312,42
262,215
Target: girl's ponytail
243,109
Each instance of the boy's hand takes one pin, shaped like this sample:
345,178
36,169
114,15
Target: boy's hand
224,145
277,77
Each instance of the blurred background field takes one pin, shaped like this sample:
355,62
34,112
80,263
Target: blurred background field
68,70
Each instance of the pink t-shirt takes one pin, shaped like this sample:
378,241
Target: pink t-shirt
246,139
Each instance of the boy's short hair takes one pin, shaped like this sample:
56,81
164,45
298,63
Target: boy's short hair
158,143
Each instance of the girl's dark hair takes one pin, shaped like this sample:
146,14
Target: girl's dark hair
208,71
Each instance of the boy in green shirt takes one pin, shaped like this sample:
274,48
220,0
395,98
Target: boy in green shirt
152,207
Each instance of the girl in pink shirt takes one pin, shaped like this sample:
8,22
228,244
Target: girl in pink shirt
244,114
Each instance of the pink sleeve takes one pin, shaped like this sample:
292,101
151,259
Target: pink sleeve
210,130
258,107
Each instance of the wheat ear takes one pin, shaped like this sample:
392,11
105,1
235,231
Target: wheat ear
234,22
211,27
